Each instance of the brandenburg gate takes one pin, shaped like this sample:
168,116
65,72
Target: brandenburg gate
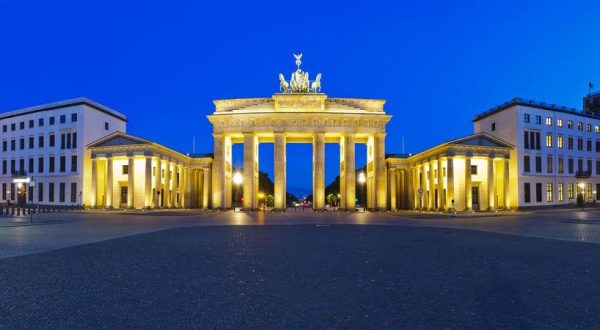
299,113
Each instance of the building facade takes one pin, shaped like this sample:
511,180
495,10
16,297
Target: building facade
557,150
47,143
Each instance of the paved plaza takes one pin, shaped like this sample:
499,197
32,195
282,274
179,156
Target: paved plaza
255,270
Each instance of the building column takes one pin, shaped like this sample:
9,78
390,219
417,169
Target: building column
440,185
148,183
507,183
431,194
422,198
175,182
280,168
449,181
409,188
218,172
94,188
206,189
468,191
109,182
130,185
199,188
319,171
392,185
342,197
380,169
157,182
491,184
167,185
250,183
349,163
180,186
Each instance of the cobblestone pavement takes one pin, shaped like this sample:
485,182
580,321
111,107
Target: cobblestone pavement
18,236
306,276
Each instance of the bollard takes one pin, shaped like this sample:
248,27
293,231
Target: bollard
18,210
12,210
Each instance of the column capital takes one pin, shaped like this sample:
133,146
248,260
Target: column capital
491,155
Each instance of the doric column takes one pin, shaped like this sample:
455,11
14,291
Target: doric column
199,187
431,194
491,184
468,191
206,188
130,177
167,185
280,168
319,171
218,172
449,180
342,197
157,182
350,162
109,182
250,171
422,203
148,183
507,183
181,184
94,192
380,175
392,185
409,188
175,182
440,184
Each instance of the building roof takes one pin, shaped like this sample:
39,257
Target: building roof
64,104
532,104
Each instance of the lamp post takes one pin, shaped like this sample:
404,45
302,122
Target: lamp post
361,180
237,180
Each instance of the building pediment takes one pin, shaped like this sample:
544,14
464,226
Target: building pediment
480,139
118,139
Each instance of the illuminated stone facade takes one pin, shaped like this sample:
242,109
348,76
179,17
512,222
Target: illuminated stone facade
299,118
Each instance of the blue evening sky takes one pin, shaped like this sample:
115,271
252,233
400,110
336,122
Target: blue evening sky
438,63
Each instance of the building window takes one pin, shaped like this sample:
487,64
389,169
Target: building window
51,164
41,122
31,142
548,121
580,126
63,119
588,191
561,197
73,192
570,124
526,118
41,165
12,191
598,167
538,164
73,117
62,164
570,143
31,123
538,120
52,141
570,190
588,145
589,166
125,170
40,187
22,144
561,165
74,163
473,169
30,194
597,129
4,128
61,192
588,127
559,142
4,191
579,144
12,145
549,140
559,123
549,192
74,140
106,126
493,126
62,141
5,145
51,192
40,141
549,166
13,126
526,164
538,192
580,165
527,192
22,125
30,166
526,140
51,119
4,166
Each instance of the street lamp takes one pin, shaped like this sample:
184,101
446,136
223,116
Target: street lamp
237,180
361,180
